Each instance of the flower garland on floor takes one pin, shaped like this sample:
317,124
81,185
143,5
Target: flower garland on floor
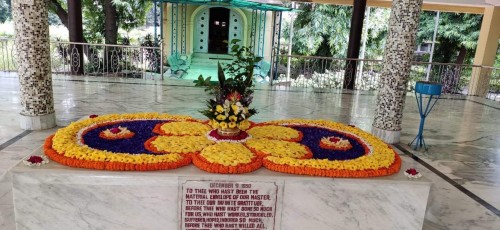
335,143
163,141
116,133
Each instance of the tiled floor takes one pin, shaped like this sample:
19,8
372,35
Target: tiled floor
463,134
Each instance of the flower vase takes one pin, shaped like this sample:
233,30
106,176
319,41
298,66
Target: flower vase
228,132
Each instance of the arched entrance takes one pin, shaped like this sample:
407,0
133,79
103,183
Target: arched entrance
218,30
214,28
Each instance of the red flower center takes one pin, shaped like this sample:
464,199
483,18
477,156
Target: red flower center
115,130
234,96
334,139
93,116
35,159
412,171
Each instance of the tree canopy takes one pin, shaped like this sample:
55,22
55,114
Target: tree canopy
323,30
129,14
4,10
457,35
320,30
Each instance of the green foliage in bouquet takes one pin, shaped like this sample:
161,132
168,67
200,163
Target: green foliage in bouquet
232,94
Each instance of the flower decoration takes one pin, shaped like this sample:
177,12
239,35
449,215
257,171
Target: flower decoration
289,146
335,143
276,132
412,173
213,135
116,133
229,109
34,160
79,144
182,128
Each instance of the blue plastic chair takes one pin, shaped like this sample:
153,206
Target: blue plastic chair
261,71
178,63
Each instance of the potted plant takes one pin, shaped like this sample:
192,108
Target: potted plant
228,111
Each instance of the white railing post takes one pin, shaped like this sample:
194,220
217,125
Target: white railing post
161,58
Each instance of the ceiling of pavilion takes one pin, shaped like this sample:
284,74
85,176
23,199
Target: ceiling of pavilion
459,2
251,4
444,2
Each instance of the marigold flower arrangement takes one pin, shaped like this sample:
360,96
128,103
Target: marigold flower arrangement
335,143
229,109
116,133
173,141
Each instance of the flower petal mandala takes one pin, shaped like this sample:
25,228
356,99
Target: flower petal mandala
277,148
182,128
177,144
275,132
306,147
226,157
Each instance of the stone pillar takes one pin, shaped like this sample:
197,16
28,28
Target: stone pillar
33,64
398,55
487,46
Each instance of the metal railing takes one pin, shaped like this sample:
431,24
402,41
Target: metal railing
7,53
325,72
306,71
493,84
97,59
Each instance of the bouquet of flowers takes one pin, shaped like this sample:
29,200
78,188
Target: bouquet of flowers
229,109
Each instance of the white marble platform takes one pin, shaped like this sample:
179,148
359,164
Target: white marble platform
58,197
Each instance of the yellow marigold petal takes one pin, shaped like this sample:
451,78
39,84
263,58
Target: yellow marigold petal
185,128
227,154
181,144
278,148
275,132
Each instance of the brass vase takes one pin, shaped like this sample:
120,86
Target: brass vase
228,132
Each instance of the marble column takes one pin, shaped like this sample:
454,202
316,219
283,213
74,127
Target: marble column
399,47
33,63
486,51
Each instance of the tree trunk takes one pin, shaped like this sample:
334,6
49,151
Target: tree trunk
110,35
457,72
461,55
75,35
357,18
60,12
111,25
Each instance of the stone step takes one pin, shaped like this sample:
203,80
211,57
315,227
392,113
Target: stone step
212,56
207,62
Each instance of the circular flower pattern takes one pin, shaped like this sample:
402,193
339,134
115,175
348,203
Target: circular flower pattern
335,143
116,133
163,141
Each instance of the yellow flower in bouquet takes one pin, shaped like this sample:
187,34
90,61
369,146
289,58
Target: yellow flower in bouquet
244,125
221,117
233,118
214,124
235,108
223,125
219,109
232,124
